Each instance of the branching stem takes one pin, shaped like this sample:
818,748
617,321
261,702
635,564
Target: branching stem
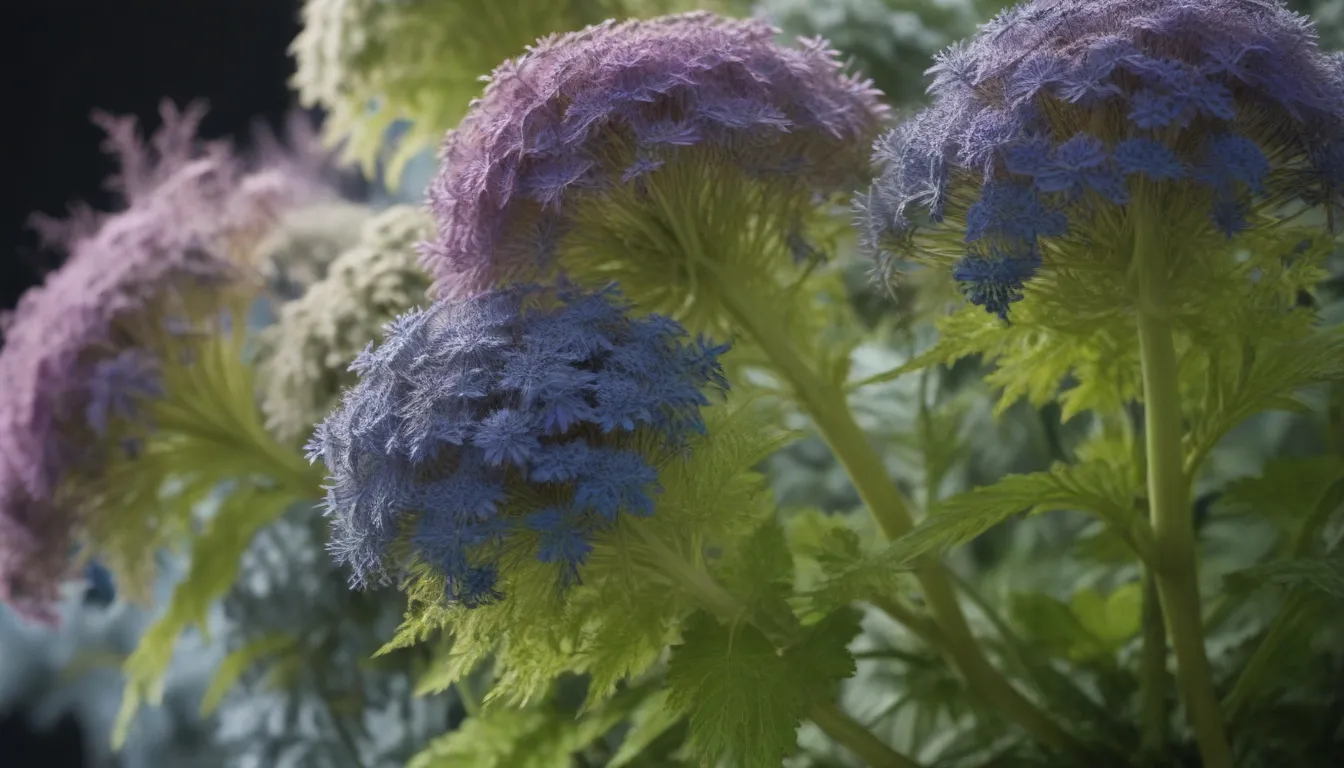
833,418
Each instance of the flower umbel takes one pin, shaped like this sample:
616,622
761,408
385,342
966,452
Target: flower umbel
371,63
649,153
1051,123
83,351
304,358
521,420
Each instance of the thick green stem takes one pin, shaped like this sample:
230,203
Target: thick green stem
1169,492
830,412
717,600
859,740
1153,678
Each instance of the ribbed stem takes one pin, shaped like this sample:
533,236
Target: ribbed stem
1169,491
830,412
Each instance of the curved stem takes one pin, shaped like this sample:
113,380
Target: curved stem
827,406
845,730
1169,491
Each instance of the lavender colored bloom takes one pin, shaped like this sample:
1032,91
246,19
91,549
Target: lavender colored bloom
518,418
80,350
1225,102
621,106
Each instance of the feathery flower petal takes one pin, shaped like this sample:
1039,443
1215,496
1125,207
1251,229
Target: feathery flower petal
81,350
480,379
577,143
1219,107
372,63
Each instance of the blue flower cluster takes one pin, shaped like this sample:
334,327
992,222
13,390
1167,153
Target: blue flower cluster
519,416
1054,106
117,389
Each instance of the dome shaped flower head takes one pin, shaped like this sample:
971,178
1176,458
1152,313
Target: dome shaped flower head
1062,124
304,357
517,423
84,352
373,63
658,154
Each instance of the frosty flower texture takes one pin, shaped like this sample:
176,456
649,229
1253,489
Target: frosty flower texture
374,62
304,357
517,420
79,352
647,153
1059,116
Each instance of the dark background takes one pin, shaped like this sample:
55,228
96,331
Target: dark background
68,57
122,56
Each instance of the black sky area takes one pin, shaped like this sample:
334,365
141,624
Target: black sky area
69,57
62,60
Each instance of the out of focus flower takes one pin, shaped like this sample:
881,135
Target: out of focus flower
521,421
309,694
1060,117
372,63
304,358
889,40
657,154
305,242
83,351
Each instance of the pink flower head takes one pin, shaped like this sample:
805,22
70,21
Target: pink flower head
81,345
615,103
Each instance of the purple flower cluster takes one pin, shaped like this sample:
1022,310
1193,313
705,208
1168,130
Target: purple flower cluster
74,356
523,417
613,103
1059,107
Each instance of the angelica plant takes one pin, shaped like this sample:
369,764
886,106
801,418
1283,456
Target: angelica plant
129,409
373,63
1120,189
694,160
534,467
114,366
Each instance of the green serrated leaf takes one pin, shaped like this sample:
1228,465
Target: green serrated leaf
215,558
1102,488
1112,618
233,666
500,737
1052,624
746,700
1289,491
1324,575
1239,383
760,571
821,660
823,545
540,736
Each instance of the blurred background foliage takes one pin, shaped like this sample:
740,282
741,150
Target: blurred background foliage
1057,597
